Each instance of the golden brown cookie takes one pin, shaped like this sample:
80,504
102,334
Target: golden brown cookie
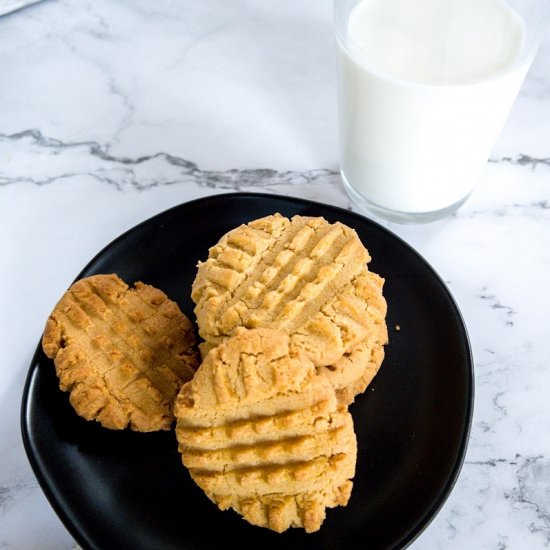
306,277
263,434
122,353
303,276
351,374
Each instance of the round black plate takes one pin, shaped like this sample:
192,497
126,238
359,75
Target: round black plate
130,490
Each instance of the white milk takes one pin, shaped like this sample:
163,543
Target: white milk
425,87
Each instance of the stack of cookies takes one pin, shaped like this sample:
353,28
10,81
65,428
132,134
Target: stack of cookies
293,324
293,328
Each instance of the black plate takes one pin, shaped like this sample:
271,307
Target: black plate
129,490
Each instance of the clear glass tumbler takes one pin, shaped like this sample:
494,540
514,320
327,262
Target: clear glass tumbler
424,89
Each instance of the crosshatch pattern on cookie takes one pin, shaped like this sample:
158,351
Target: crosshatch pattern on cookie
304,276
263,434
122,353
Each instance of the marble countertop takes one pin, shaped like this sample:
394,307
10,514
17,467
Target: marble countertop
111,112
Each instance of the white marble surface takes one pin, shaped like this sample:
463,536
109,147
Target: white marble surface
111,112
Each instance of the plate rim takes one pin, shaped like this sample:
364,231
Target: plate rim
452,475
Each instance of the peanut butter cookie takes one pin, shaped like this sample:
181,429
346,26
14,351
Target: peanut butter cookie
303,276
263,434
122,353
306,277
351,374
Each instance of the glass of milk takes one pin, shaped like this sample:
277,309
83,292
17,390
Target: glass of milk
424,89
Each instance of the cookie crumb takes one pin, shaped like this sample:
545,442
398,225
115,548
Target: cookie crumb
397,328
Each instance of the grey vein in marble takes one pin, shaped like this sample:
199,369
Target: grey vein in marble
523,160
113,87
9,493
494,303
533,493
123,172
139,173
530,492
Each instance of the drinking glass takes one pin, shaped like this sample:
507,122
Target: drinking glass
424,89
